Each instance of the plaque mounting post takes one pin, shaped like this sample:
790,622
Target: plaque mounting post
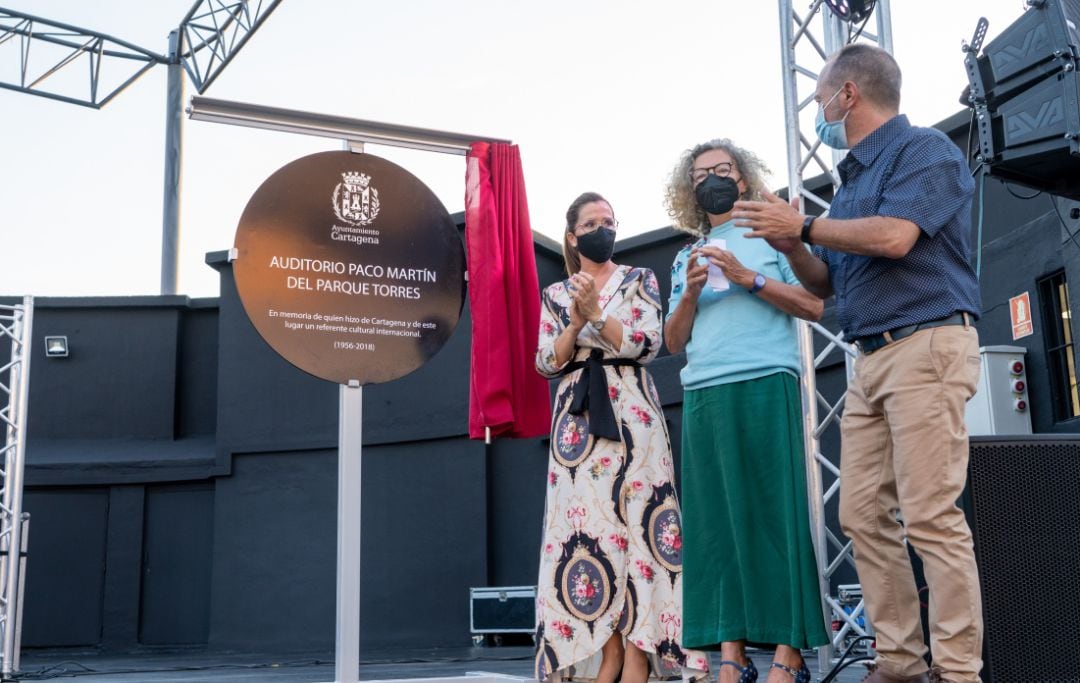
350,432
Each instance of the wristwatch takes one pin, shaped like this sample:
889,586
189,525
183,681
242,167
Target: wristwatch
806,224
599,323
759,283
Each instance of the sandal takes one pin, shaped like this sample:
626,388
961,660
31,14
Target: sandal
749,672
802,675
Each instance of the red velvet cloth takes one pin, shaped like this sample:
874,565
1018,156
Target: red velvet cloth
505,391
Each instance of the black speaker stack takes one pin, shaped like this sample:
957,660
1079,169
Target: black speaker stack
1025,90
1023,506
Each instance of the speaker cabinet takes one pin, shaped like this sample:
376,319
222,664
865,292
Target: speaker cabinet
1035,137
1023,506
1026,93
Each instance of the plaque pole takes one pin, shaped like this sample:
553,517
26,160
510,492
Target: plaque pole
347,650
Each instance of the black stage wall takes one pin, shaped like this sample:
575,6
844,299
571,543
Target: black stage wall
181,477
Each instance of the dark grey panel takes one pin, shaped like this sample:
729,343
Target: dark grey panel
424,520
197,372
123,568
274,552
118,382
1019,249
517,486
275,546
65,568
64,462
176,564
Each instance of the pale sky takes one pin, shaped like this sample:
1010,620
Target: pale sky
600,96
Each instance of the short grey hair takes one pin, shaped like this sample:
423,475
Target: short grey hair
872,69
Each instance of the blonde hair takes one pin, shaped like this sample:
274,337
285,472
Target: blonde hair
679,198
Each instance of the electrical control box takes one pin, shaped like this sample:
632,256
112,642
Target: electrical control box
1000,404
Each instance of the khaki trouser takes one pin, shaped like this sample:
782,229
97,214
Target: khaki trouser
905,449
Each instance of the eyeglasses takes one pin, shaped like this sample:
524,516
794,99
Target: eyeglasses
594,225
721,170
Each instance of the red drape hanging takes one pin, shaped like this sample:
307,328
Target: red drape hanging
505,392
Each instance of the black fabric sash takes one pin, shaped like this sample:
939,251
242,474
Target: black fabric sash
593,384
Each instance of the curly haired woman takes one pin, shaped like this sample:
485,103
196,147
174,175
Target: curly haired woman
749,570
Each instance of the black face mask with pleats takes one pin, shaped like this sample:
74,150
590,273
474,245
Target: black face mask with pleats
716,195
598,245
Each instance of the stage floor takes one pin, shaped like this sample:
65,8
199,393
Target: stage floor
200,667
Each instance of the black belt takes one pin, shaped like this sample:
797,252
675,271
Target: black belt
593,383
873,342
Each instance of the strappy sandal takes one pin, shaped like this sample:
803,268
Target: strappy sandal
802,675
748,672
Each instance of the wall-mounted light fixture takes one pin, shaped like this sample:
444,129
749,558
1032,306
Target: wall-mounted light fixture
56,346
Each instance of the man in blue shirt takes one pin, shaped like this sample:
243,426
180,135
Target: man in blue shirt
895,250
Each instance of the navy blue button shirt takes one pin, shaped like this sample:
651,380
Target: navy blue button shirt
917,174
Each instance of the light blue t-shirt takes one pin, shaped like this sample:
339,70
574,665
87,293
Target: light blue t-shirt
736,335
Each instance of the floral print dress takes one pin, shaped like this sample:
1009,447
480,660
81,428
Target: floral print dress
611,557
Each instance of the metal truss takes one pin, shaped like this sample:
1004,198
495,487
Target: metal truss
208,38
218,29
807,40
48,54
46,48
16,323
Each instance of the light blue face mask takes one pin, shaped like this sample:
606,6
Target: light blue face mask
831,133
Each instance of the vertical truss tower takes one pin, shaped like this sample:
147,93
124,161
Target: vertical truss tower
15,327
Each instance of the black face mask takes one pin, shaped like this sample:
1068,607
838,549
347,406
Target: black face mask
598,245
716,195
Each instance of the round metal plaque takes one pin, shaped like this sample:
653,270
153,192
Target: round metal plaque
350,267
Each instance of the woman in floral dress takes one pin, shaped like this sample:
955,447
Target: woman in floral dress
609,598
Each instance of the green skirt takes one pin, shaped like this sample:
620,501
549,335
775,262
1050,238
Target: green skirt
749,571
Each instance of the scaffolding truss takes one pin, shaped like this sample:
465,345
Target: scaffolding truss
51,59
807,40
47,55
16,324
214,31
35,50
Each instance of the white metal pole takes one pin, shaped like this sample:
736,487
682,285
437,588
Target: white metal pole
350,419
21,591
174,144
13,478
884,25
